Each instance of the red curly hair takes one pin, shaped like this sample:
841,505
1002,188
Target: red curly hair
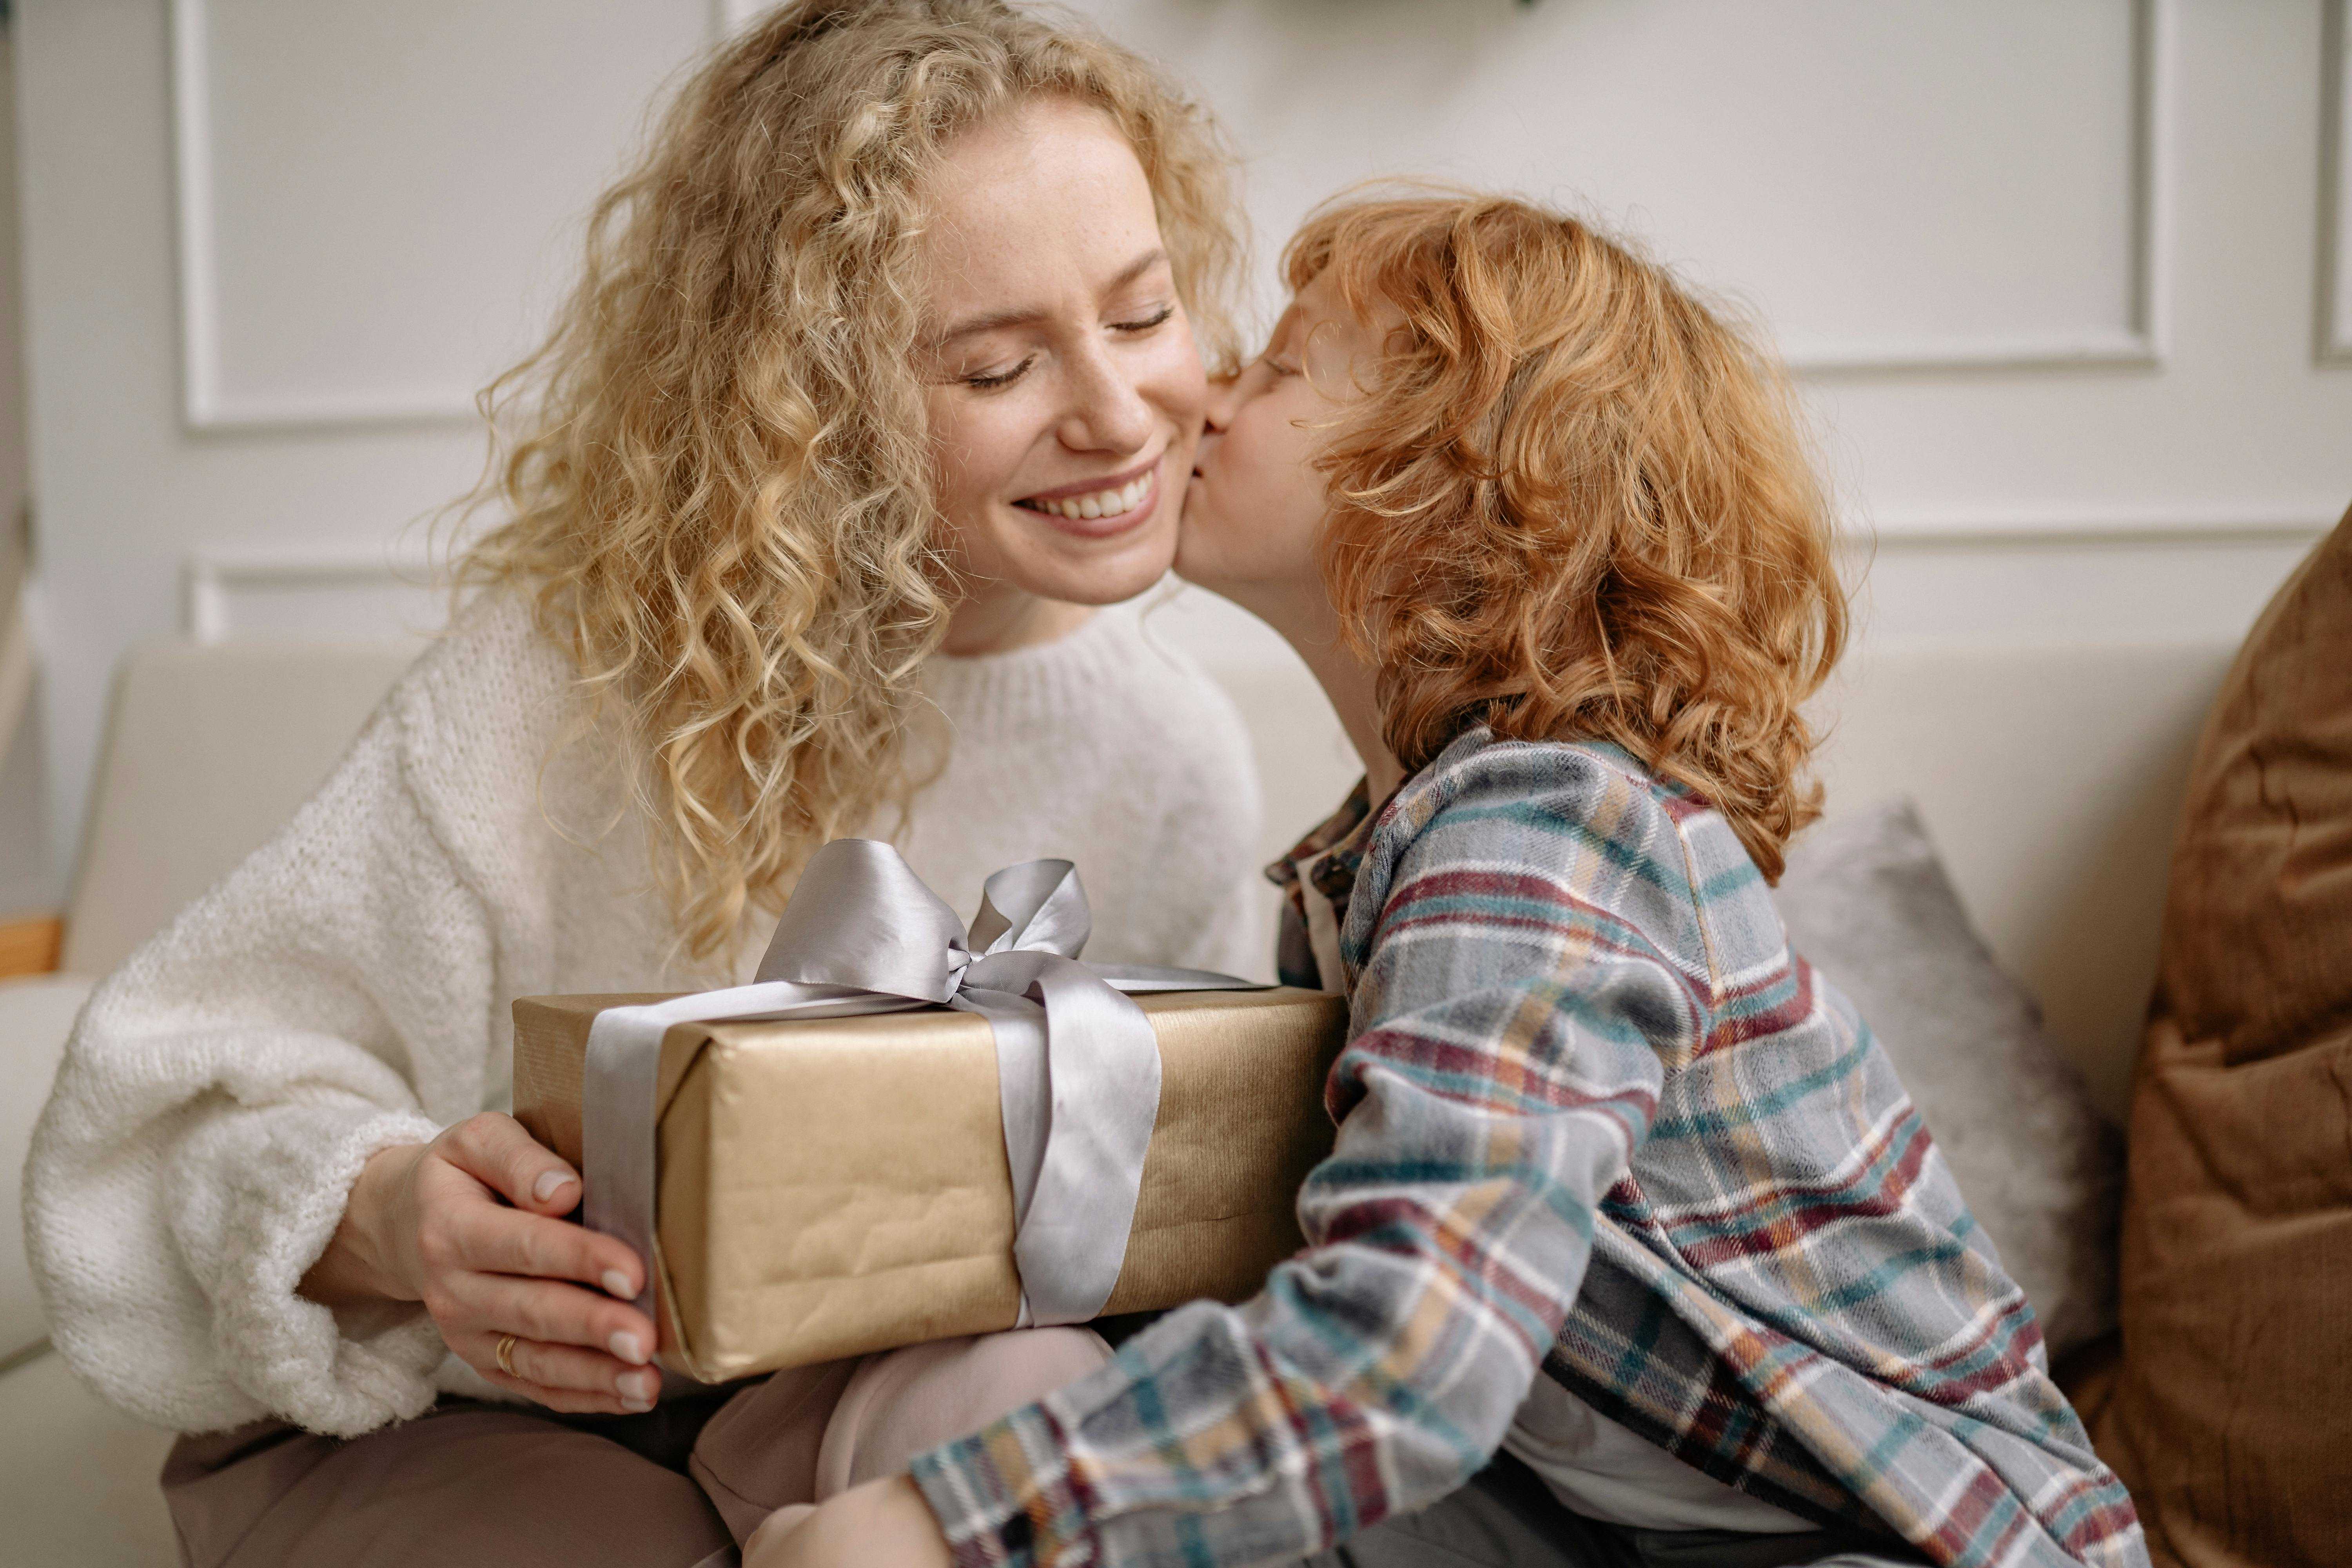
1574,501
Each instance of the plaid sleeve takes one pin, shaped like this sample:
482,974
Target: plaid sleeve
1506,1064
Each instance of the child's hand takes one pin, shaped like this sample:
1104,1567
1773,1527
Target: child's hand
885,1523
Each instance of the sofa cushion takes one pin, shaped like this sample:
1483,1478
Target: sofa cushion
78,1480
1867,902
36,1012
210,747
2229,1419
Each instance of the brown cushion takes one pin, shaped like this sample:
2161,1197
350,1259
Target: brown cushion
2230,1418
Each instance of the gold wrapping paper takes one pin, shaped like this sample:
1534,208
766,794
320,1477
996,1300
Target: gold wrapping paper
832,1186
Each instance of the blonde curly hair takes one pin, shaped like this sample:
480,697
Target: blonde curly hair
715,470
1576,502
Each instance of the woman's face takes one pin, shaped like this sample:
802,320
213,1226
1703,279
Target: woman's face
1255,510
1064,390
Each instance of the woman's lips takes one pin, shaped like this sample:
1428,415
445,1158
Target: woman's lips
1093,486
1146,504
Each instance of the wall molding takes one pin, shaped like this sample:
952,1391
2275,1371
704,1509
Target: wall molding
2332,324
2130,349
2144,341
213,581
2103,528
205,404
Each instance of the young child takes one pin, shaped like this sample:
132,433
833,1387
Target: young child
1624,1192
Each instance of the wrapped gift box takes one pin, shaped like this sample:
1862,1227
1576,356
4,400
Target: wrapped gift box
832,1186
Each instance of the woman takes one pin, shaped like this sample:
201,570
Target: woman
883,370
1631,1251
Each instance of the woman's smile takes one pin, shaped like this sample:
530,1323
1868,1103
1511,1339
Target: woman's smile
1103,507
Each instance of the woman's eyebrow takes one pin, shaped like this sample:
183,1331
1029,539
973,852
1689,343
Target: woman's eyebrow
1030,315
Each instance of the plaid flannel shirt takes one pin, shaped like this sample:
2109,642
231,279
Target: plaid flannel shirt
1597,1123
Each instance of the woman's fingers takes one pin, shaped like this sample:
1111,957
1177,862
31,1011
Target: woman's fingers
605,1401
495,1151
488,1271
507,1241
548,1372
555,1313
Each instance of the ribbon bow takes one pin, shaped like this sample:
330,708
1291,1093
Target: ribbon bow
1077,1067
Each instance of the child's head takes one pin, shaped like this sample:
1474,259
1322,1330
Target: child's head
1540,486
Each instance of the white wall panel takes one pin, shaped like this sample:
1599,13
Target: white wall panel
2049,264
1861,171
376,213
389,194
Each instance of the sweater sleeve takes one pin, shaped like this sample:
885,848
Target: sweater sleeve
220,1092
1506,1063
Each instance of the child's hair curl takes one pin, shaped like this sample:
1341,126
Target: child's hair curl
1575,502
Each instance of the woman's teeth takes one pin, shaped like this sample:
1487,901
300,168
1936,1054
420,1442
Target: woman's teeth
1102,503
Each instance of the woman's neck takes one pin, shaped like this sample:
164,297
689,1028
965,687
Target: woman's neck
998,618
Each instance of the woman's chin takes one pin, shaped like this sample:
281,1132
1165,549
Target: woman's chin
1102,576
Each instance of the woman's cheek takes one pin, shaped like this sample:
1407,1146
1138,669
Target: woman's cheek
979,454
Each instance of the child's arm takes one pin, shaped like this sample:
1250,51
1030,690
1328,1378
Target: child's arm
1509,1067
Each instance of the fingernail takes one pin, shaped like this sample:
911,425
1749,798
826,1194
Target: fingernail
637,1385
548,1182
624,1345
617,1284
634,1405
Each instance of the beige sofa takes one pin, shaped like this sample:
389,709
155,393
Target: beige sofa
207,751
2048,775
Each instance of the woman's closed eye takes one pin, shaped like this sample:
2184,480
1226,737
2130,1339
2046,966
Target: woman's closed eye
991,380
1159,318
988,381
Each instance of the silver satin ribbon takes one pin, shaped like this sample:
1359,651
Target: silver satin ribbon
1077,1067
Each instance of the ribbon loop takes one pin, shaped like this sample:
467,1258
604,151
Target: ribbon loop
1038,904
1077,1064
860,916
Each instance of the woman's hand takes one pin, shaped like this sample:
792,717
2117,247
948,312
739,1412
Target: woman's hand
470,1225
883,1523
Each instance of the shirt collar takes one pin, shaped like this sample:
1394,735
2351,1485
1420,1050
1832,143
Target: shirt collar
1330,854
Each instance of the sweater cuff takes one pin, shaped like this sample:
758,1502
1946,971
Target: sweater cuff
1007,1497
289,1352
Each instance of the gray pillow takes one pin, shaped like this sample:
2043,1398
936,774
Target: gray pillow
1867,901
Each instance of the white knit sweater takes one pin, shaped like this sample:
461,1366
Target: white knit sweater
349,986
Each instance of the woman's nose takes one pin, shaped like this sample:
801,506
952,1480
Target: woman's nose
1108,412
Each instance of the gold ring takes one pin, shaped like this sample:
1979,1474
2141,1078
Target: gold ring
505,1350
